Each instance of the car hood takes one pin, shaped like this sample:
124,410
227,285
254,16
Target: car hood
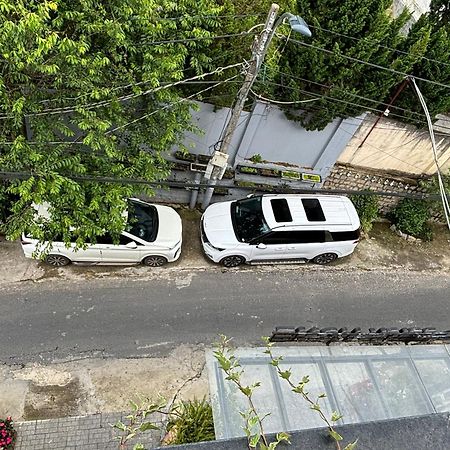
169,226
217,225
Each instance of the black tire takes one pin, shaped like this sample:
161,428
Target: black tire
324,258
154,261
57,260
232,261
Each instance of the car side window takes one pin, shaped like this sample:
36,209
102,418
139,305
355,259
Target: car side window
276,238
294,237
105,239
124,240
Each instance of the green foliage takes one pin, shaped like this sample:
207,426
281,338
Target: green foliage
432,186
65,68
367,208
371,29
437,21
137,421
256,158
192,421
411,216
253,427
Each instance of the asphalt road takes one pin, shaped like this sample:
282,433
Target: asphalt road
59,320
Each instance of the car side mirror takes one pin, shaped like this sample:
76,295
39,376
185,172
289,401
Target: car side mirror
261,246
249,195
131,244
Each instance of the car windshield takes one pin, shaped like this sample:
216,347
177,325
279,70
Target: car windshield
248,219
142,221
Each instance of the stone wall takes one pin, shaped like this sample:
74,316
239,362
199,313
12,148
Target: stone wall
348,177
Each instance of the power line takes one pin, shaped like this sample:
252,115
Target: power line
89,106
350,93
361,61
169,106
203,38
445,202
182,185
376,42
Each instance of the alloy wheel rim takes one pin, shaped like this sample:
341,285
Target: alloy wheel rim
56,260
232,261
326,258
154,261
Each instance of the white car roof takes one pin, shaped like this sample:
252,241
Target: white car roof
338,212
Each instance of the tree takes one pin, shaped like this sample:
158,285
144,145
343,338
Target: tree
435,66
361,31
93,73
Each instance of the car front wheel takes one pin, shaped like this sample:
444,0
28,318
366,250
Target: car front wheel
57,260
324,258
154,261
232,261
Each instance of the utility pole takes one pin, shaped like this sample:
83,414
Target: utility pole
219,160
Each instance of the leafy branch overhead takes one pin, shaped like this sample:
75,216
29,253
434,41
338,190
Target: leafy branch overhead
72,71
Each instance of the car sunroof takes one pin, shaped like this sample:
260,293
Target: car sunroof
313,210
281,210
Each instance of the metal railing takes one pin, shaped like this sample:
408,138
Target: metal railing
374,336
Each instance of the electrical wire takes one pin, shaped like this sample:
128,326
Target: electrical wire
169,106
361,61
350,93
280,102
183,185
203,38
378,44
445,202
89,106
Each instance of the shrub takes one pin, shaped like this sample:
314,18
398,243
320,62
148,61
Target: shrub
192,421
7,434
411,216
367,208
257,158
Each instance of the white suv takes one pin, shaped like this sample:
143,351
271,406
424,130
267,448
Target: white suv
280,228
153,237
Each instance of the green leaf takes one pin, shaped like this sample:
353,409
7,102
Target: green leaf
148,426
254,439
335,416
286,374
335,435
351,446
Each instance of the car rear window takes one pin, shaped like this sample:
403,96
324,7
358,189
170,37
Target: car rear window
281,210
313,210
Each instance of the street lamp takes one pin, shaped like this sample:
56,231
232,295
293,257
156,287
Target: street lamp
218,163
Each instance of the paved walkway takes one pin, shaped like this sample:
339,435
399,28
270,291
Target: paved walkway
79,433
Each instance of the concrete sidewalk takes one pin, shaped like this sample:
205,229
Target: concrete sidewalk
91,432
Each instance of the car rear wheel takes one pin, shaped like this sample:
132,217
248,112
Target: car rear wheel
324,258
232,261
57,260
154,261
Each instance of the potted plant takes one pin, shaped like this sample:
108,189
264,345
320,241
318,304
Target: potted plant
7,434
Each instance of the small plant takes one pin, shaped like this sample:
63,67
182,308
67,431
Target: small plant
367,207
253,428
411,216
257,158
290,174
246,169
191,421
137,423
185,155
7,434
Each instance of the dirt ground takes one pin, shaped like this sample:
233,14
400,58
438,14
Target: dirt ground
93,385
89,386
